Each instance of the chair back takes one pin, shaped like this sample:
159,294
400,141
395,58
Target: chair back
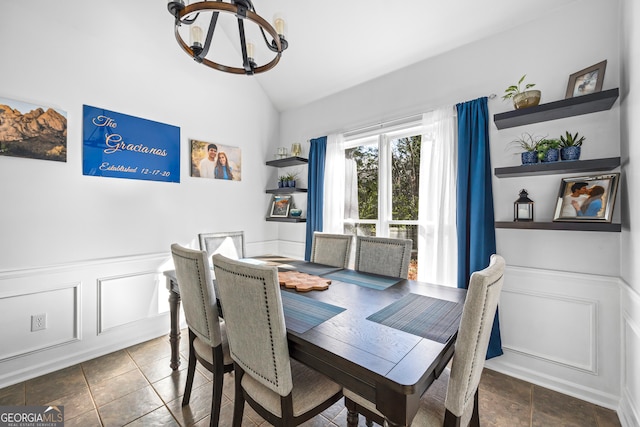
473,337
227,243
197,293
384,256
254,317
331,249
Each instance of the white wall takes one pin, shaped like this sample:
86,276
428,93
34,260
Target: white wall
630,270
111,236
561,287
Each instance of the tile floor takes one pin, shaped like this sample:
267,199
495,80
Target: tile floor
136,387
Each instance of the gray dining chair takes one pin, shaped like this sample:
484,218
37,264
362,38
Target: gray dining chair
207,335
452,400
228,243
384,256
281,390
331,249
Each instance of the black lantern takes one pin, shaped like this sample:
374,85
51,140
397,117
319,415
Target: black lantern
523,207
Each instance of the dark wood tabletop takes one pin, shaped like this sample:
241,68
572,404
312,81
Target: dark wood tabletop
386,365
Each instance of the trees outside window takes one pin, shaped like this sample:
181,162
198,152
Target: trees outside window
382,186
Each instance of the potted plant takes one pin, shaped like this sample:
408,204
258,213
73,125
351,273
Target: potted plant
570,146
282,179
529,143
291,179
522,98
549,150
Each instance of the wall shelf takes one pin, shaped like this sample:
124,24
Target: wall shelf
289,161
599,101
572,226
288,219
591,165
286,190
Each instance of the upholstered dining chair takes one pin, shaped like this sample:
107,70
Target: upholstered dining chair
452,400
384,256
207,336
331,249
283,391
227,243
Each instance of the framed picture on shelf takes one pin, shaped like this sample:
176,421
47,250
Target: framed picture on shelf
280,206
586,81
587,198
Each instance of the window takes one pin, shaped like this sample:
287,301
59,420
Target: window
382,181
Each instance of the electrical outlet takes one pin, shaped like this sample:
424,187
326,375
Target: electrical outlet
38,322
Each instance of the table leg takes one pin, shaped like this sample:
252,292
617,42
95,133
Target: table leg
174,333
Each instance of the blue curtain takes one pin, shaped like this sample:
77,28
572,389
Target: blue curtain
315,191
475,219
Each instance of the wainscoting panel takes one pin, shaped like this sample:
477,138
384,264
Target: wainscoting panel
93,307
59,305
561,330
570,344
630,402
127,299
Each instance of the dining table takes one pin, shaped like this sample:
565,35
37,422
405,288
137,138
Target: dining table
385,338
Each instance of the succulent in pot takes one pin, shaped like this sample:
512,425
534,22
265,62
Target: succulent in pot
528,143
522,98
549,150
570,146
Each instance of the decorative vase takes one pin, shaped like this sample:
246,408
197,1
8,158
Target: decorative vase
570,153
291,183
529,157
295,212
552,155
529,98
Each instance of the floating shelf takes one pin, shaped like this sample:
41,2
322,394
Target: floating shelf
572,226
286,190
289,161
599,101
288,219
591,165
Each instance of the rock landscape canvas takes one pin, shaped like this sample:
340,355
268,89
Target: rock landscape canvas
32,131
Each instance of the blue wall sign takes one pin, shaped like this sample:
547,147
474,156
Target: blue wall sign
122,146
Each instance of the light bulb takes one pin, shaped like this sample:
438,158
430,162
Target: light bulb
279,24
196,36
250,50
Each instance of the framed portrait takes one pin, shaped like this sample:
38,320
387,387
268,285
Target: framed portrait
280,206
586,81
587,198
215,161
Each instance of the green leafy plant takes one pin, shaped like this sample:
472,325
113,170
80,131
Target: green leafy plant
513,90
569,140
283,178
528,142
546,145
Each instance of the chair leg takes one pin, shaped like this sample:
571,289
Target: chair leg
475,416
238,400
218,378
352,413
191,370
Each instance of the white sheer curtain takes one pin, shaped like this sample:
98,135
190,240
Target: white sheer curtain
437,242
334,185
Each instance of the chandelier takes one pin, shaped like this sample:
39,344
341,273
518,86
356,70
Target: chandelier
207,12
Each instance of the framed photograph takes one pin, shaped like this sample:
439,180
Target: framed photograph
32,131
215,161
280,206
587,198
586,81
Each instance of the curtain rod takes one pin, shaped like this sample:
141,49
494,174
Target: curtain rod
388,123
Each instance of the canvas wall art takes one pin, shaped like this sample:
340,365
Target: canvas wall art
117,145
216,161
33,131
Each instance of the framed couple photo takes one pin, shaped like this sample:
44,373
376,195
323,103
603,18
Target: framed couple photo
587,198
586,81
